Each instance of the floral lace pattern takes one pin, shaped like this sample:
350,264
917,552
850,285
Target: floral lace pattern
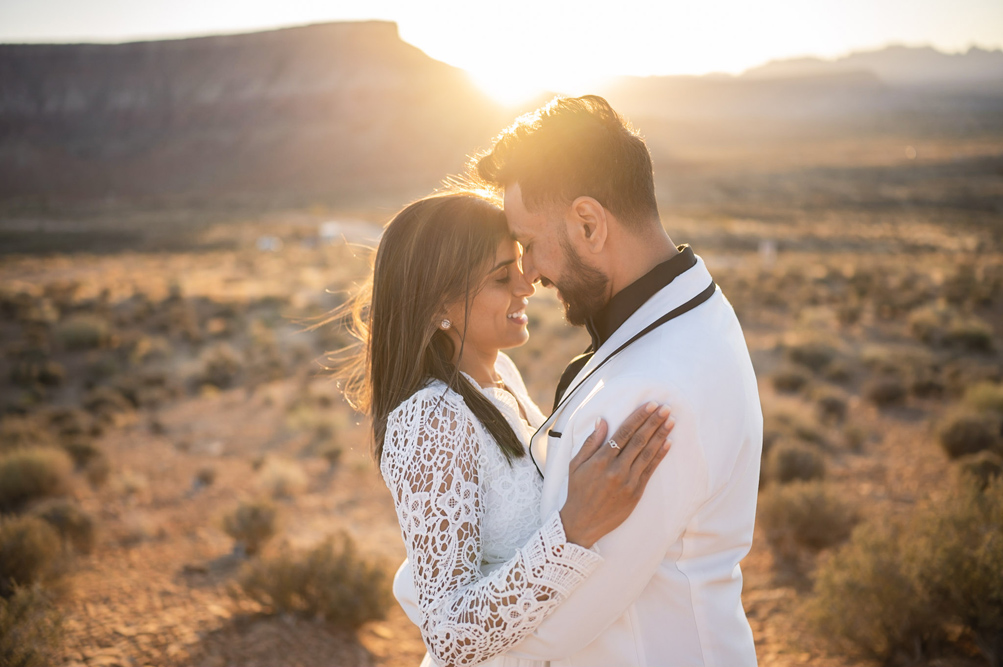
463,509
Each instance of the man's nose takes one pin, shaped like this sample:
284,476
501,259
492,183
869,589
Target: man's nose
529,270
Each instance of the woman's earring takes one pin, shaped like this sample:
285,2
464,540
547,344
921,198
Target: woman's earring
445,324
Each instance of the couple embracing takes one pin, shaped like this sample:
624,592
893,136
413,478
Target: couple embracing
608,533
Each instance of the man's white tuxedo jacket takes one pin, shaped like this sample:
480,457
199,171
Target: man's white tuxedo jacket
669,589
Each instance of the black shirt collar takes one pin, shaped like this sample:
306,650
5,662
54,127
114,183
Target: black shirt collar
625,302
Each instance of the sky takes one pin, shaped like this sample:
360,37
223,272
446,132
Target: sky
516,48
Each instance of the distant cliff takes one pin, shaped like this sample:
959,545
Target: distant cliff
348,111
322,109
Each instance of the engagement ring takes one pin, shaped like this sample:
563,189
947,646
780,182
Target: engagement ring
612,443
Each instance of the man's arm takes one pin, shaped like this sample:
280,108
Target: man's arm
633,552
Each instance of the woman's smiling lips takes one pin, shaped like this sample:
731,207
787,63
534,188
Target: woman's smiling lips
518,317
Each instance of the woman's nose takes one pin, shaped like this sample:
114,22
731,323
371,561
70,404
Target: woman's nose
521,287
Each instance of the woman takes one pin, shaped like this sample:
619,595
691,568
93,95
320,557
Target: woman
451,420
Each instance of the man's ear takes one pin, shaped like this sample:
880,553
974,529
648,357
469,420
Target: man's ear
589,224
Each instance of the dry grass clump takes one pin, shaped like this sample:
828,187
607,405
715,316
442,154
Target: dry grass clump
17,432
985,397
803,516
965,432
886,391
280,478
332,581
982,467
813,353
251,525
790,379
221,365
970,334
898,593
831,404
29,549
792,461
82,332
104,402
74,525
32,474
30,628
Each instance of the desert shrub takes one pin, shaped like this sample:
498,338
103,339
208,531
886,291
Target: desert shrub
221,365
27,370
32,474
71,422
251,525
82,451
332,453
332,580
971,334
205,477
985,397
281,478
867,600
105,401
961,546
928,324
29,548
30,628
967,433
981,467
885,391
82,332
813,354
927,384
17,432
854,437
97,470
803,516
790,379
74,525
831,404
790,461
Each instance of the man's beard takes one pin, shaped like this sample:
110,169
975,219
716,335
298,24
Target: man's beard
583,289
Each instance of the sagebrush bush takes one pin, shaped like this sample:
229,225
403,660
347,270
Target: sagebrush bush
17,432
74,525
970,334
961,546
803,516
30,628
280,478
790,379
790,461
831,404
896,593
332,581
82,332
982,467
813,354
104,402
963,433
29,551
866,599
985,397
32,474
221,366
885,391
251,525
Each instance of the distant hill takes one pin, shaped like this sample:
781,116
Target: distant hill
329,109
348,112
898,66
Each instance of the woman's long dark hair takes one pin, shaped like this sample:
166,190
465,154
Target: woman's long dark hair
435,252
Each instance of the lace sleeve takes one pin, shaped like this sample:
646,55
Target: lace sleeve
430,465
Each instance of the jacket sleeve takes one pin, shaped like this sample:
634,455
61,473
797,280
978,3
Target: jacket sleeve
634,550
430,464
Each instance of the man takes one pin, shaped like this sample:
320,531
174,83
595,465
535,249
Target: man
579,196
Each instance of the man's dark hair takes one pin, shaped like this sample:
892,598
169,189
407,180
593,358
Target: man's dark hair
573,147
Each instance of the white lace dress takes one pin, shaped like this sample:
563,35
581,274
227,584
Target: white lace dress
485,570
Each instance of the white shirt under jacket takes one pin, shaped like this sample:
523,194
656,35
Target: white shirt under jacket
668,591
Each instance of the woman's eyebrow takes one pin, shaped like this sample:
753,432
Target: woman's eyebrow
502,263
